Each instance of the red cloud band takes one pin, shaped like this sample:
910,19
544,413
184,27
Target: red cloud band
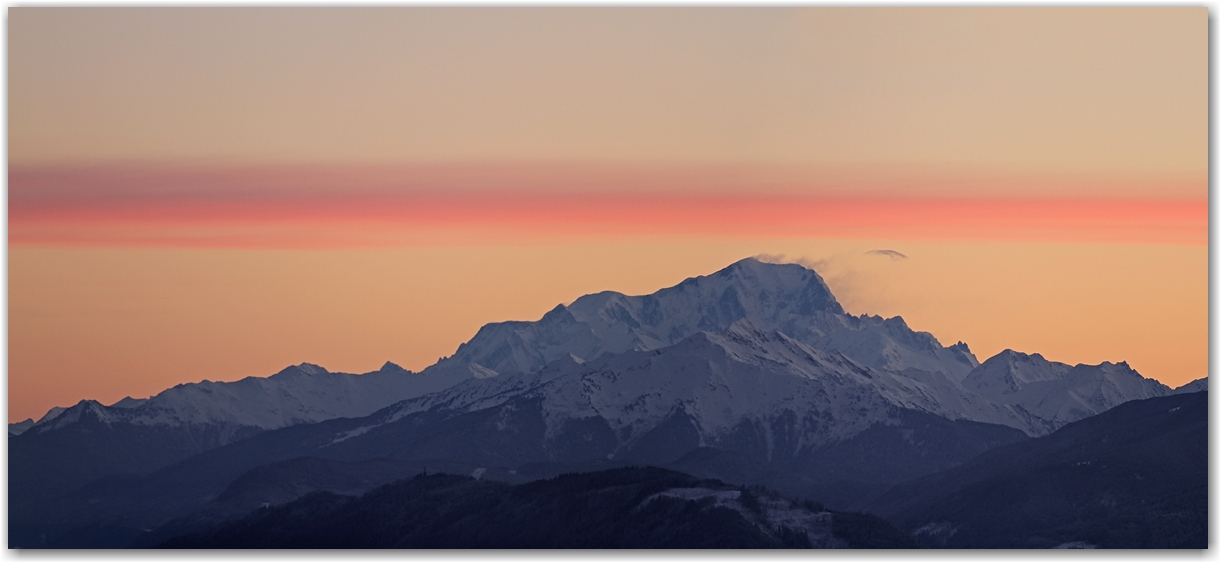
327,208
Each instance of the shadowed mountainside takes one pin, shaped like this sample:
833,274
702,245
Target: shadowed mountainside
1132,477
618,508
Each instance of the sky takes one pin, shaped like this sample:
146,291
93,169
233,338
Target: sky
215,193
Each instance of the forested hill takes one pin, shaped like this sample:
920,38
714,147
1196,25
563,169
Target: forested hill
618,508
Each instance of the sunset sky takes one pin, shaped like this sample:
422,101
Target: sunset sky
217,193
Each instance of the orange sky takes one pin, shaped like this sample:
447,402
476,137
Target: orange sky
218,193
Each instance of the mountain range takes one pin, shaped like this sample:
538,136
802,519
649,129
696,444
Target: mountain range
754,374
1132,477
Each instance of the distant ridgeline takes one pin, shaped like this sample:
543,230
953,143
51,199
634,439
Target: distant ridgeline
751,376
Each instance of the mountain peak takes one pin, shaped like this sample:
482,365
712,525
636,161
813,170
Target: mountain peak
1011,355
20,427
391,367
763,282
129,402
52,414
1057,392
755,263
302,369
776,297
312,369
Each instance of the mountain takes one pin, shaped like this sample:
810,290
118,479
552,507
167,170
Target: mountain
25,425
1197,385
793,301
745,389
755,405
785,298
20,427
72,446
1134,476
279,483
753,374
620,508
1055,392
302,393
782,297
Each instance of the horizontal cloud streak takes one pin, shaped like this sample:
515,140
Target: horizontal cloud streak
343,207
892,254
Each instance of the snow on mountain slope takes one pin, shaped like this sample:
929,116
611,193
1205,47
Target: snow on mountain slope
749,299
303,393
785,297
23,426
1197,385
1056,392
888,343
743,375
20,427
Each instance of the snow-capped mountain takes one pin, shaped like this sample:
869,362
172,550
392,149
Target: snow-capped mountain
1056,392
764,384
753,373
744,375
1197,385
20,427
787,298
138,436
742,310
719,380
751,301
304,393
24,425
745,403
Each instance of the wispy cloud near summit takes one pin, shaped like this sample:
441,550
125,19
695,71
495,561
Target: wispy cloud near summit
781,258
892,254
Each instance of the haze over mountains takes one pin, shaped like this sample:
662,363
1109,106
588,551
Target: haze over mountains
753,374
